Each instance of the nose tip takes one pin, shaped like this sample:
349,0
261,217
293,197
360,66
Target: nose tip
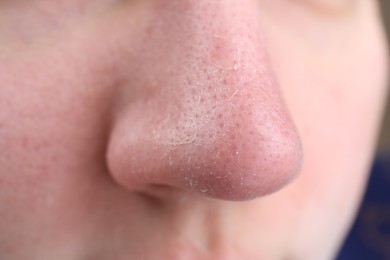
253,155
218,126
232,147
240,154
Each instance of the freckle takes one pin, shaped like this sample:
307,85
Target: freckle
221,125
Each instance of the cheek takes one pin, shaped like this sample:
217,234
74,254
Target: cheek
337,107
46,123
52,136
328,6
337,85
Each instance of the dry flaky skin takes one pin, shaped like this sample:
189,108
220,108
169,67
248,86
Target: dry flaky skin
128,127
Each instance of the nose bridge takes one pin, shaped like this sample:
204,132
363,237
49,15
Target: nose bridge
216,64
217,124
193,13
217,31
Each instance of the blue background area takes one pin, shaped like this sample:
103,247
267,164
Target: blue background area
369,238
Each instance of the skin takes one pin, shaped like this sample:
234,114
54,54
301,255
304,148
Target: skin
185,129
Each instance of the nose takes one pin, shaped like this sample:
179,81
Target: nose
200,110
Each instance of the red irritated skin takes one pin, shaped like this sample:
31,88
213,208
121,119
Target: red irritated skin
155,129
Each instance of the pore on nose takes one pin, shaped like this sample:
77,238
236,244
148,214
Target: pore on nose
207,116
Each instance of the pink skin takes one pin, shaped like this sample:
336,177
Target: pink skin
127,128
225,132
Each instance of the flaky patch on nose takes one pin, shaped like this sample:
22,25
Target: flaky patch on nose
216,123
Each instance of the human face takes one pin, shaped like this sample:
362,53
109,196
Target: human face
154,129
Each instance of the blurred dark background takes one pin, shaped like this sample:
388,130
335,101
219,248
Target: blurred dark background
369,238
384,143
